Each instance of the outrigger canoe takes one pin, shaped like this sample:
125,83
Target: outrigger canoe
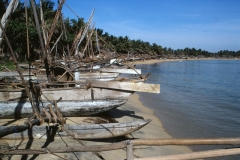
83,131
75,102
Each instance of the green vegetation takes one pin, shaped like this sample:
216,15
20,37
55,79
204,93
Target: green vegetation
6,64
16,32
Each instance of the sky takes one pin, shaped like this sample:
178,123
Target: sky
210,25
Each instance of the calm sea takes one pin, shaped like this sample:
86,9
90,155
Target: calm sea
198,99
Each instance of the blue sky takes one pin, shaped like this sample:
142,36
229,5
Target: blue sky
210,25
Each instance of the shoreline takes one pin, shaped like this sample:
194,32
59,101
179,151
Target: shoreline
153,61
155,129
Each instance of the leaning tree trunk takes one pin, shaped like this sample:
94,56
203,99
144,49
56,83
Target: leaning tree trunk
10,9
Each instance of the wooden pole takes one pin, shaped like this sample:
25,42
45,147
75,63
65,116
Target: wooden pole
43,24
196,141
129,150
34,107
67,149
75,41
28,51
54,23
41,40
84,31
197,155
88,39
108,45
66,37
123,144
26,14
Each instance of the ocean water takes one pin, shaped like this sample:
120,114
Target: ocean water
198,99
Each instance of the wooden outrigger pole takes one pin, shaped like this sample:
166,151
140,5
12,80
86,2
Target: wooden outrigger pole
88,39
41,41
54,24
10,9
129,144
84,32
34,107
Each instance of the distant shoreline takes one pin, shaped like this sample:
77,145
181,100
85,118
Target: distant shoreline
153,61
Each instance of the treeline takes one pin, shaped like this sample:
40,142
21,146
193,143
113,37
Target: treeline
17,34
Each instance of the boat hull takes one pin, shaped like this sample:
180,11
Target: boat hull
84,131
18,110
75,101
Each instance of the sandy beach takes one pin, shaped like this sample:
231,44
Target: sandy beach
155,61
130,111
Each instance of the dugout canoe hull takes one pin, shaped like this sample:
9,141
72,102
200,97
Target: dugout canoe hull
83,131
75,101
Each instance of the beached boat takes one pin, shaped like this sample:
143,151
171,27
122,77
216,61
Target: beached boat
75,101
103,74
83,131
88,98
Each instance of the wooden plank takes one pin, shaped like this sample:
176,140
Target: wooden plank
126,71
117,85
127,86
68,94
197,155
97,75
88,75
